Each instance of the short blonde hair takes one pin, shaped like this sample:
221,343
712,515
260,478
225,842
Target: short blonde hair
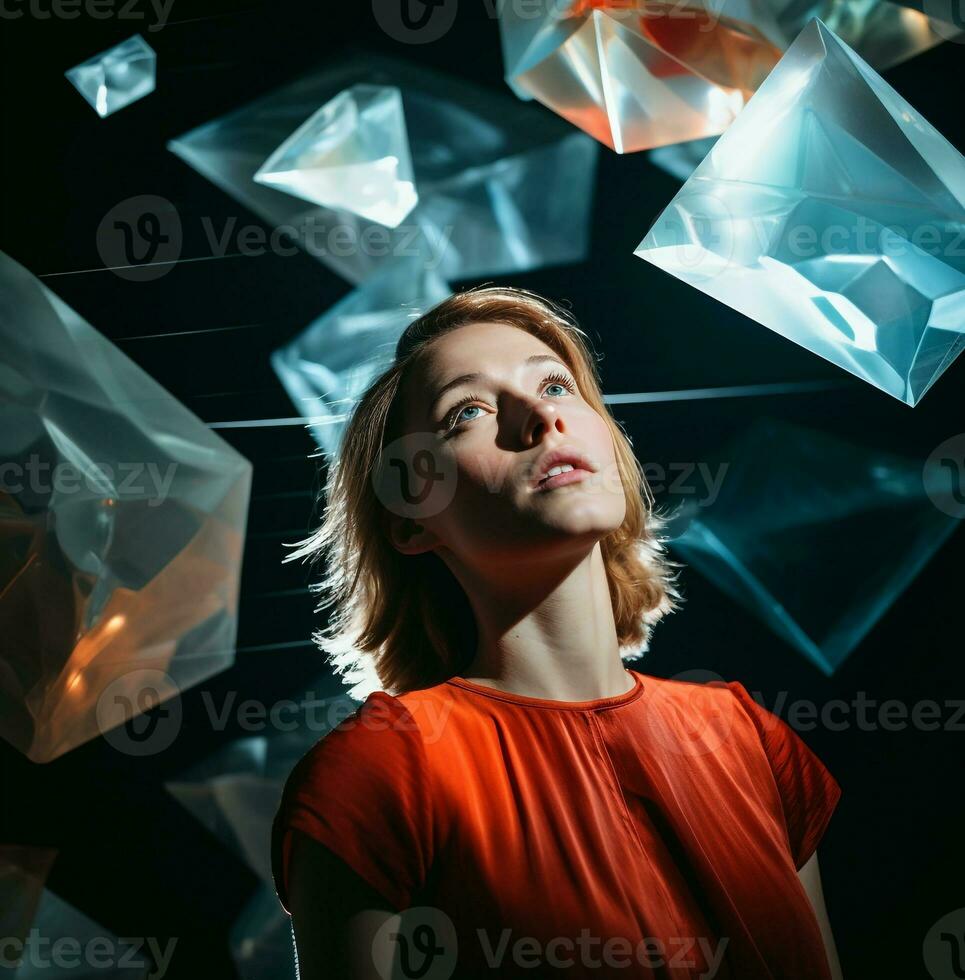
402,622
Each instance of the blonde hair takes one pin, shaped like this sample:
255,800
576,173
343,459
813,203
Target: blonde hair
402,622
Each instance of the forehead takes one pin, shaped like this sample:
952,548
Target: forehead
498,343
498,349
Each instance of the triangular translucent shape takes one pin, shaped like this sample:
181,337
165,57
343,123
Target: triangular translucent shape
794,496
116,77
122,591
727,47
352,154
333,360
472,150
829,182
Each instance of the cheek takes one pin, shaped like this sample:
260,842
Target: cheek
599,437
594,432
484,473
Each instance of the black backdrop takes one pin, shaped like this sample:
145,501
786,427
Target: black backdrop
130,856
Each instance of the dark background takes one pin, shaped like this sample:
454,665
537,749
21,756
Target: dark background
130,856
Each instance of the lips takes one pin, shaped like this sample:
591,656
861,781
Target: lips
558,457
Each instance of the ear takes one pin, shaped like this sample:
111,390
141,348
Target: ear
409,536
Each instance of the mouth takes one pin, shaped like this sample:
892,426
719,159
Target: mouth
562,476
560,467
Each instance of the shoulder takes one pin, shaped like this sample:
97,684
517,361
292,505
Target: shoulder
702,687
707,711
700,691
383,734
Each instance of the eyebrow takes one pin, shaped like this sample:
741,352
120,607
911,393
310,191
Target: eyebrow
477,376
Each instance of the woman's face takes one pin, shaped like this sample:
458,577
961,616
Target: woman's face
492,433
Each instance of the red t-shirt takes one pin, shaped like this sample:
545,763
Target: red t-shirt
655,833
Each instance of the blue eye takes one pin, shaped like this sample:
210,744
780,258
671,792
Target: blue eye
454,419
466,409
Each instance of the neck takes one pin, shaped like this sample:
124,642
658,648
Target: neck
546,628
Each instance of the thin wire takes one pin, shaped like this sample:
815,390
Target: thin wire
143,265
186,333
737,391
270,423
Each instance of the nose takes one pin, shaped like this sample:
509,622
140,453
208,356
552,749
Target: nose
543,416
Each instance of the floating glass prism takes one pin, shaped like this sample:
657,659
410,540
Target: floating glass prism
681,159
58,924
502,187
834,214
884,34
34,922
235,792
353,154
261,939
600,66
815,535
23,871
637,74
116,77
122,525
327,367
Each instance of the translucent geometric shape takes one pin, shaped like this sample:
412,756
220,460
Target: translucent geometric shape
116,77
834,214
502,187
681,159
235,808
261,939
637,74
884,34
814,535
122,524
87,949
23,871
353,154
235,792
605,72
327,366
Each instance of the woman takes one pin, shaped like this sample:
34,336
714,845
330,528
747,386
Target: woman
532,806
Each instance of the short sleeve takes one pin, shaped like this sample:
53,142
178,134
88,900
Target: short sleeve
363,791
808,791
